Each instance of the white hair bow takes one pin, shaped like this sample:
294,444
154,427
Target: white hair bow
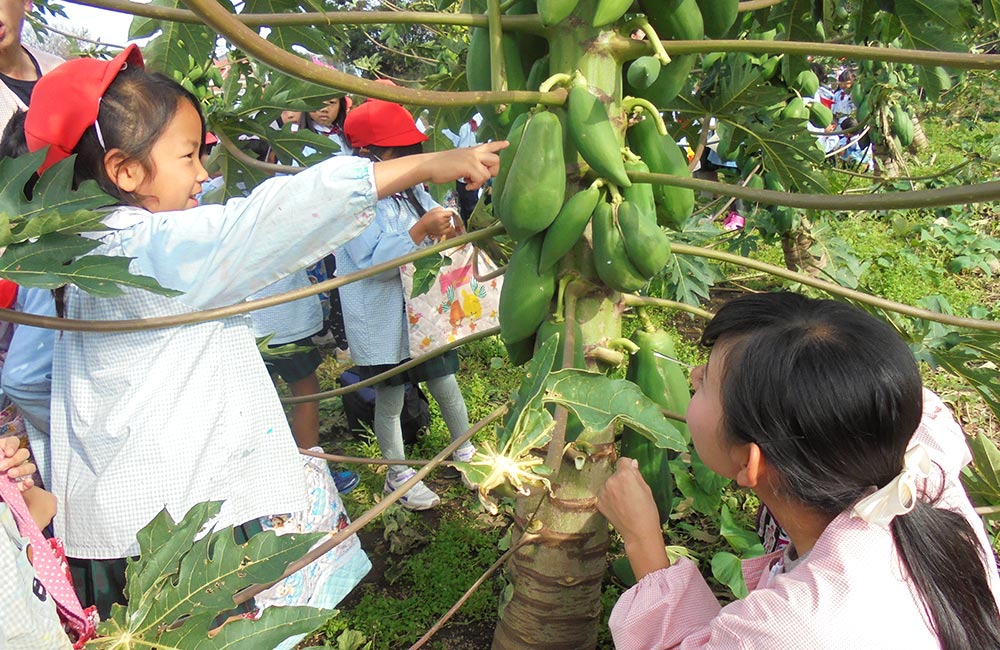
900,495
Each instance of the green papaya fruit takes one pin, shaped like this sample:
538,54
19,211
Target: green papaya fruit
568,227
647,246
526,294
478,75
535,187
661,154
807,83
718,16
539,72
507,155
662,381
608,11
819,115
640,194
642,72
555,11
520,352
795,109
676,20
669,82
902,125
591,130
610,258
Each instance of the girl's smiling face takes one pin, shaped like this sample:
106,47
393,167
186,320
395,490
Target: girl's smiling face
175,170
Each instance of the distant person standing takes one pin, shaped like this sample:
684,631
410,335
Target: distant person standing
20,65
466,137
843,103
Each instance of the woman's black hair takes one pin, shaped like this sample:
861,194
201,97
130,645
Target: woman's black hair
135,110
832,397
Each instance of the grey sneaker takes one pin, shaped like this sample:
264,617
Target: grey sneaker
463,455
419,497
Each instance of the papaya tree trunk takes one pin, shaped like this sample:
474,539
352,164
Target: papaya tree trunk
557,575
796,246
557,578
920,141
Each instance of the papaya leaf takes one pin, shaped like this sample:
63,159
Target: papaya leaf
600,401
688,279
240,177
529,394
986,465
179,586
745,542
425,271
53,260
728,570
170,49
799,25
933,24
790,151
54,207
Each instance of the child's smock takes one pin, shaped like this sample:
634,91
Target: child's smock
176,416
374,312
848,593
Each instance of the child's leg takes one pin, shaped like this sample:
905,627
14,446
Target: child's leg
388,431
305,416
449,398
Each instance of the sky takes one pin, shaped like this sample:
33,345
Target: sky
108,26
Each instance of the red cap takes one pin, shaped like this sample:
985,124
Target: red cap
65,102
383,124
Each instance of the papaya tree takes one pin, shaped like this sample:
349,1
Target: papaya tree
595,197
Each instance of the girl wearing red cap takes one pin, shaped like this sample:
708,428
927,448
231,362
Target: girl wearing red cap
374,313
169,418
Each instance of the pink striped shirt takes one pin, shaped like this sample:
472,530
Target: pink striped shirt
850,592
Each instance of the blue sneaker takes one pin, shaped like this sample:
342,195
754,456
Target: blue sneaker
346,481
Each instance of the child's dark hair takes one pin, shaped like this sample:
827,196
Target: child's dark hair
832,396
819,71
134,112
851,124
13,142
846,75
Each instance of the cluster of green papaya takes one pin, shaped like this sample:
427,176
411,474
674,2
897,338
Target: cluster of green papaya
662,380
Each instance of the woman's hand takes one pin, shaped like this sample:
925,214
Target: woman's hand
436,224
16,462
628,504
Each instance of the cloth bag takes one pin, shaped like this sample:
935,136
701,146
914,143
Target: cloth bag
40,603
457,304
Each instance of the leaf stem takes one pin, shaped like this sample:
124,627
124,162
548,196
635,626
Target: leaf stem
637,102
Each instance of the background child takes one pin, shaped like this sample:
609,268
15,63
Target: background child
374,312
814,405
168,418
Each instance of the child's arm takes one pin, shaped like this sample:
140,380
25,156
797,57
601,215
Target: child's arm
15,462
475,164
628,504
42,506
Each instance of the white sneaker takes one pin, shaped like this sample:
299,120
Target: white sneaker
463,455
419,497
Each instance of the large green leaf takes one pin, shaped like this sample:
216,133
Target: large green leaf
789,150
54,207
600,401
727,569
745,542
528,397
933,24
800,25
179,586
52,261
169,50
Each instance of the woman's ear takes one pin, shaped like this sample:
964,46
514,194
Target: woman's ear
126,173
752,467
